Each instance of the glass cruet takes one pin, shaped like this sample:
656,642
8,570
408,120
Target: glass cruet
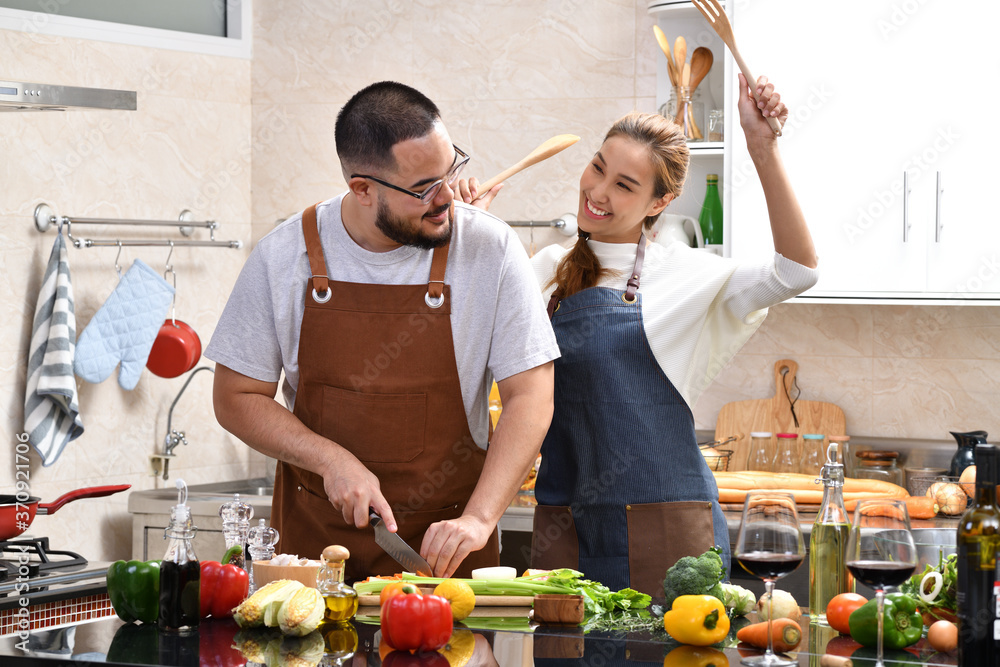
341,600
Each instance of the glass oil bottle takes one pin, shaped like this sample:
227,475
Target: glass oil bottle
180,572
341,600
828,574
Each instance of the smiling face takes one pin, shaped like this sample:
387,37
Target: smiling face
405,220
617,192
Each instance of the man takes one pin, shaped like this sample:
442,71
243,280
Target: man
390,309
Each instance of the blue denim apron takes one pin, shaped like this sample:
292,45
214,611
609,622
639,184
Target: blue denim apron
621,472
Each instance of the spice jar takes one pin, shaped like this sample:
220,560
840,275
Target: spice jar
786,458
879,465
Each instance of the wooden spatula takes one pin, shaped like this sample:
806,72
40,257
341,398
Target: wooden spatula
664,43
545,150
716,17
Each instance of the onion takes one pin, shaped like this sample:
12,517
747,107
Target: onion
784,606
950,497
938,584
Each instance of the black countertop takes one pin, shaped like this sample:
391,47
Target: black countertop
508,642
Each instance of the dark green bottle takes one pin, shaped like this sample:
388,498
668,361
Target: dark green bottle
711,213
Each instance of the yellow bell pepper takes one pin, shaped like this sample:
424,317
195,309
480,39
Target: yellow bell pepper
699,620
695,656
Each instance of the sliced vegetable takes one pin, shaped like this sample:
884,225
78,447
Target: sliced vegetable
499,572
945,604
699,620
785,634
936,582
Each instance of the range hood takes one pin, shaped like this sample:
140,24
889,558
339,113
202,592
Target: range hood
18,96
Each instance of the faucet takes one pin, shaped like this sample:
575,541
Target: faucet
174,437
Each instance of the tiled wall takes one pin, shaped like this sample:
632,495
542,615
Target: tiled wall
179,150
247,143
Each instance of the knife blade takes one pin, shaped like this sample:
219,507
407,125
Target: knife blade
396,546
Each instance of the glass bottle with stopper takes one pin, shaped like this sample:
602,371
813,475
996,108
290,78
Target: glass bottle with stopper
261,540
828,573
180,572
236,516
341,600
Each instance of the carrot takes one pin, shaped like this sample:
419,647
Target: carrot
785,634
918,507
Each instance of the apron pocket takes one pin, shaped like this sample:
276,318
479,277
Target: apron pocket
554,542
376,428
661,533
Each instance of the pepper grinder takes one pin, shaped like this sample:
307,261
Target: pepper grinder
236,516
261,539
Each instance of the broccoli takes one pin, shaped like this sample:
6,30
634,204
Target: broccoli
695,576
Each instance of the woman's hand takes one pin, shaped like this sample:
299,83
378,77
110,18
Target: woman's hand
754,114
467,191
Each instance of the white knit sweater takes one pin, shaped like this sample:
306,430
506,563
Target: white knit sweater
698,308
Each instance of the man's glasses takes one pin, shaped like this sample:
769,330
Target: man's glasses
425,197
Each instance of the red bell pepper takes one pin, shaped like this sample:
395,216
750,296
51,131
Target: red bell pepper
223,588
215,644
415,622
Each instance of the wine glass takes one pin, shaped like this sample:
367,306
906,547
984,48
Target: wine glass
880,550
769,547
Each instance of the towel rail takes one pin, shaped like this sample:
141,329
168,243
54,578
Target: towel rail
565,223
45,217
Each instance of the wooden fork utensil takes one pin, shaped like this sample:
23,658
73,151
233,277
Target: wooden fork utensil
716,17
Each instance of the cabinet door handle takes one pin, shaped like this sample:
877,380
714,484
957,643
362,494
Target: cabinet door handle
906,207
937,213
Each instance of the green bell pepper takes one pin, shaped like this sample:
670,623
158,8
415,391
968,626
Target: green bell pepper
902,624
134,589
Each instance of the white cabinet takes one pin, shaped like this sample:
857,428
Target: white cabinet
881,93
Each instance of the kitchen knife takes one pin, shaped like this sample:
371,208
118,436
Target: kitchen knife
396,546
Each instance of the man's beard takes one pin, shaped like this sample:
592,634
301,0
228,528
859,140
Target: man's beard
400,231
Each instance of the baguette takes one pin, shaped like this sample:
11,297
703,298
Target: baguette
733,487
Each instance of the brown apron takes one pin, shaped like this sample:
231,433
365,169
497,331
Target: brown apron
378,376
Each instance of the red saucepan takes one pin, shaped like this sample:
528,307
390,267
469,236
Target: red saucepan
16,515
175,351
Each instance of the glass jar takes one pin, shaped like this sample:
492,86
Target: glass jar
716,124
786,455
813,453
697,124
880,466
761,454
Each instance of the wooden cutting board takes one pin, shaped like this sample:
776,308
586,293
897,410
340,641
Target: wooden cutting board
738,418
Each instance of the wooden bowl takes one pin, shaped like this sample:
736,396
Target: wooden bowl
265,573
558,609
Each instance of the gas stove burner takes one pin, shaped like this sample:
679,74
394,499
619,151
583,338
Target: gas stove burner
35,552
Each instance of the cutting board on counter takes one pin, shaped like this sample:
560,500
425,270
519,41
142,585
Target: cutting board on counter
481,600
775,415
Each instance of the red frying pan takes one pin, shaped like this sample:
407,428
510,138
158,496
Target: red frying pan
16,515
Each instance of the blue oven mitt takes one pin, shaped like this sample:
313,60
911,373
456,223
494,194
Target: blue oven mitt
124,328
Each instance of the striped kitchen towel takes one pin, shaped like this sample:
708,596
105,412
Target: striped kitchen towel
51,411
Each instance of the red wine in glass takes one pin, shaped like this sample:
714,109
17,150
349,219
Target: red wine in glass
766,565
879,574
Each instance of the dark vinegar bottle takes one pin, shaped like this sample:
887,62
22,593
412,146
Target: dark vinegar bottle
180,571
978,544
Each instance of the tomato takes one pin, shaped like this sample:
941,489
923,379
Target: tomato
395,588
840,609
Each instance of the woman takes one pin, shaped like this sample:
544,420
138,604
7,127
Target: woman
623,490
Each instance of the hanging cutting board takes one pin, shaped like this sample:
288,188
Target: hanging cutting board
738,418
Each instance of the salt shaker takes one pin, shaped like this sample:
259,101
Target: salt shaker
236,516
261,544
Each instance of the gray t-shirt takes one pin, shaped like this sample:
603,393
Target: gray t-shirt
498,320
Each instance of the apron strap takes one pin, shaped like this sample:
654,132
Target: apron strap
633,281
317,263
435,285
632,285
